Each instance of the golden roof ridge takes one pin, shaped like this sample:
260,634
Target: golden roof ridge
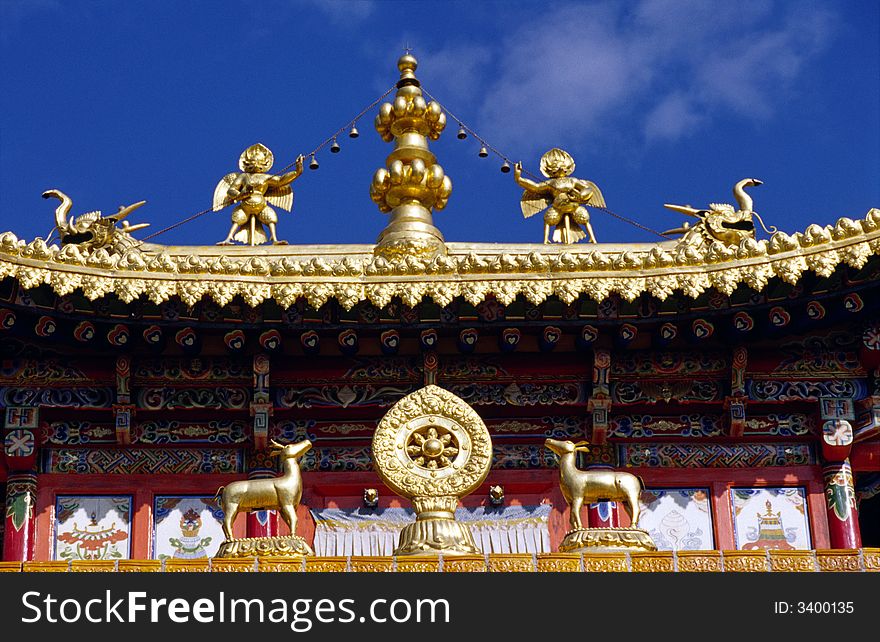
473,271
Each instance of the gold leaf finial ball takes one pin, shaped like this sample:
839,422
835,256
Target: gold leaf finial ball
407,62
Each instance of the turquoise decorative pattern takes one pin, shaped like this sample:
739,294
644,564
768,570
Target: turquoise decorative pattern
521,394
77,433
58,397
341,396
780,390
639,426
782,425
676,455
184,398
166,431
357,459
646,363
665,390
523,456
135,461
192,370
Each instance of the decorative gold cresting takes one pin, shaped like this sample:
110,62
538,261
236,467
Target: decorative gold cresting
474,272
411,184
433,448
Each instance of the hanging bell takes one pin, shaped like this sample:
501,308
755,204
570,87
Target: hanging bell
334,148
505,169
462,134
354,131
313,164
483,152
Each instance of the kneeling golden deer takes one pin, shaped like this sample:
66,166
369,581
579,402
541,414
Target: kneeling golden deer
593,485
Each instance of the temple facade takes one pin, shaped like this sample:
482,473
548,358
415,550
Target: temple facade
738,378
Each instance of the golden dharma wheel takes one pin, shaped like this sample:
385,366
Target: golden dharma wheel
432,444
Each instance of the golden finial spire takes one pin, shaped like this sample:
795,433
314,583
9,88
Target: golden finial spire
412,183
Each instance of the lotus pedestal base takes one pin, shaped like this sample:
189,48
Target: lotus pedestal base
435,536
289,546
607,540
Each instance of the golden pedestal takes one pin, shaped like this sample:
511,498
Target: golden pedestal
287,546
434,535
607,540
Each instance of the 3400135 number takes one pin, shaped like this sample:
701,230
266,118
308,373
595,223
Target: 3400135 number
820,608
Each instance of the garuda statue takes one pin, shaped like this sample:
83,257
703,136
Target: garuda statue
253,190
562,195
721,221
93,231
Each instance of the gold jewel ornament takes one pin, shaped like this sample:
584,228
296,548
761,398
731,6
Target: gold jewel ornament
412,184
434,449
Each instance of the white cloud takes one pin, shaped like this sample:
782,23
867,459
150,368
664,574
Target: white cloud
669,67
459,70
672,118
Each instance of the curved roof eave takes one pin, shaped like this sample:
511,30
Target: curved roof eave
473,271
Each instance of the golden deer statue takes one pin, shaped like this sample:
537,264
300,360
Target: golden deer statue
282,492
593,485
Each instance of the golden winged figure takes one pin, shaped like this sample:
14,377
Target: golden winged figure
253,190
562,195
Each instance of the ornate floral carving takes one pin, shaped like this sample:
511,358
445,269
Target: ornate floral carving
605,563
790,561
837,561
699,561
745,561
511,563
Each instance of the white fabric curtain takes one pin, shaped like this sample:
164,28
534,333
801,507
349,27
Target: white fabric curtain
511,529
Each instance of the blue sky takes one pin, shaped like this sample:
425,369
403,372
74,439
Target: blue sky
657,100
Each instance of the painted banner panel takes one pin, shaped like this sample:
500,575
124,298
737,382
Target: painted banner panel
678,519
92,527
770,518
186,527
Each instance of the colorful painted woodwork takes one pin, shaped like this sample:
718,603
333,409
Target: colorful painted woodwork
739,379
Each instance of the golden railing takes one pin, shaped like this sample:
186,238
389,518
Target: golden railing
848,560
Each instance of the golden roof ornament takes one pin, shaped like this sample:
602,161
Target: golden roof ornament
433,448
411,184
563,197
253,190
721,221
93,231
